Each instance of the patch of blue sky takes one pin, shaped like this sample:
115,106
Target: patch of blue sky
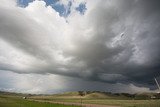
63,10
60,8
81,8
23,3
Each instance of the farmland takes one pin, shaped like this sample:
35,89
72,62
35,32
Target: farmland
73,99
16,100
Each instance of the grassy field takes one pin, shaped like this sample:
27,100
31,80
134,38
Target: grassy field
100,98
122,103
17,101
126,103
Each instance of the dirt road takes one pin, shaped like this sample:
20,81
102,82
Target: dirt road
85,105
78,104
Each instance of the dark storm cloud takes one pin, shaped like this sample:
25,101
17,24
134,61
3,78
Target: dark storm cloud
122,47
135,56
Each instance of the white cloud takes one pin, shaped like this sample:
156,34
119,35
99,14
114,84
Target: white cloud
37,40
32,83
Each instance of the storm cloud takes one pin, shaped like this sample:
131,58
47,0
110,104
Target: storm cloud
113,42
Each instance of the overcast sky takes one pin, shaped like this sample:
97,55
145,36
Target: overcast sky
50,46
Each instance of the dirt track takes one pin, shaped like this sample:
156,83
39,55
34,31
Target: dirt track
85,105
78,104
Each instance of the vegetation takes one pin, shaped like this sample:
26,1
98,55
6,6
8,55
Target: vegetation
101,98
7,100
104,98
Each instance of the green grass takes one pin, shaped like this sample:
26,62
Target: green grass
126,103
118,102
16,101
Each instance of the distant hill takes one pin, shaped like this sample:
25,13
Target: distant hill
91,95
13,94
86,95
104,95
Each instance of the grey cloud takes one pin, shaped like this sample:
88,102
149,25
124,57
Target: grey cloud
106,57
34,83
134,56
18,30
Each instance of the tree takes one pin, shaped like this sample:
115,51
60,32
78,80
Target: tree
82,93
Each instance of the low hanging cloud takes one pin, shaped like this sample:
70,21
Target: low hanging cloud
112,42
37,83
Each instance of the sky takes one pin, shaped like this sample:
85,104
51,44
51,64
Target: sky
54,46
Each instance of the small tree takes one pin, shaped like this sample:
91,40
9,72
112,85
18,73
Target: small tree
82,93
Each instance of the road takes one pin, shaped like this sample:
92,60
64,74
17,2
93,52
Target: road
78,104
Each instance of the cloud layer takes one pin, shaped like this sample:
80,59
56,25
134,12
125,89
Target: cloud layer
111,43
